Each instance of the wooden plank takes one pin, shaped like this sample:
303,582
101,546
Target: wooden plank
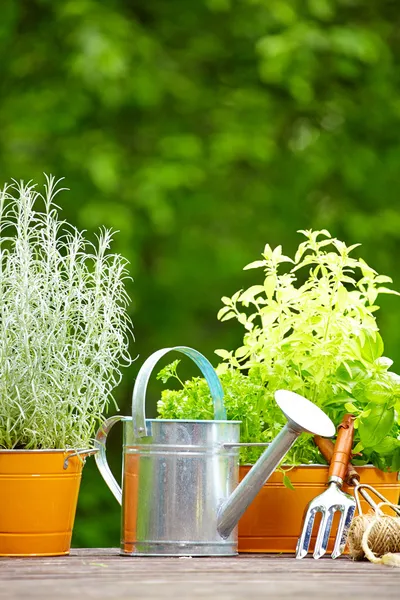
102,574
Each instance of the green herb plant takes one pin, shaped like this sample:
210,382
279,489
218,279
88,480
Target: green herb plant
244,398
64,329
311,328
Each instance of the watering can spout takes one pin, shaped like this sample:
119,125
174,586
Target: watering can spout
303,417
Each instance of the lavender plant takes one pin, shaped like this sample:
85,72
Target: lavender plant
64,329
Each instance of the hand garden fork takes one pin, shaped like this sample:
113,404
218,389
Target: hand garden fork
332,500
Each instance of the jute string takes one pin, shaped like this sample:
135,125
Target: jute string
376,537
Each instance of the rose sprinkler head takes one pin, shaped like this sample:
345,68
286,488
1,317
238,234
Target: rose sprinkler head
304,416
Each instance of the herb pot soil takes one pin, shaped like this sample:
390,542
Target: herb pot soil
273,521
39,492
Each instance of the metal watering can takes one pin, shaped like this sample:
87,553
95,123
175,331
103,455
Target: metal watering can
180,494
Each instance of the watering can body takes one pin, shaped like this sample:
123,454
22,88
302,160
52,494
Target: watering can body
174,482
180,494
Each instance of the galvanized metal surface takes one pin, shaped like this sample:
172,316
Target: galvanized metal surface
180,495
140,387
328,503
101,574
174,483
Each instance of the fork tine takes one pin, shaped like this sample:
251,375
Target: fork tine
303,542
341,534
323,533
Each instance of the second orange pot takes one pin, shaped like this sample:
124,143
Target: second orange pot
39,492
273,522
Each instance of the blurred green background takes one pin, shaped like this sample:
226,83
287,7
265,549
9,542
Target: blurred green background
202,130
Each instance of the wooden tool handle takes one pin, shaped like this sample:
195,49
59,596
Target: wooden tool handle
342,449
326,447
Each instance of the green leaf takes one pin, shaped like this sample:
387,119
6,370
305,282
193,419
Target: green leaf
359,390
287,483
342,297
385,290
278,257
358,448
378,392
376,426
249,294
395,463
223,311
242,318
267,251
223,354
300,251
387,446
365,414
352,247
228,316
169,371
270,285
372,347
222,368
255,265
384,362
277,252
242,351
269,315
338,400
358,370
351,280
343,373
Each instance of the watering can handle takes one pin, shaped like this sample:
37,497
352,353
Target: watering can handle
139,390
101,459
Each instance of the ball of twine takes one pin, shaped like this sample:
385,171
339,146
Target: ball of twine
355,534
376,537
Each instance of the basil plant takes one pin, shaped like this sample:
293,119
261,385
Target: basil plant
310,328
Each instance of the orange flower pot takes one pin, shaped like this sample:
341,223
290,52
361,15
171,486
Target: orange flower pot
273,521
38,501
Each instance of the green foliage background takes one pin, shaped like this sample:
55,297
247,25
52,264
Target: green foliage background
202,131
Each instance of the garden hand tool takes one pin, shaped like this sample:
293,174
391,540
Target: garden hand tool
375,535
326,447
331,501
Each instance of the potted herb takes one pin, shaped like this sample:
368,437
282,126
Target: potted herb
64,336
311,329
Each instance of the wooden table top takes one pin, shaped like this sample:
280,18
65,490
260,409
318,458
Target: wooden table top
103,574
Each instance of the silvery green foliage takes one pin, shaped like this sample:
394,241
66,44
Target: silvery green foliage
64,329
